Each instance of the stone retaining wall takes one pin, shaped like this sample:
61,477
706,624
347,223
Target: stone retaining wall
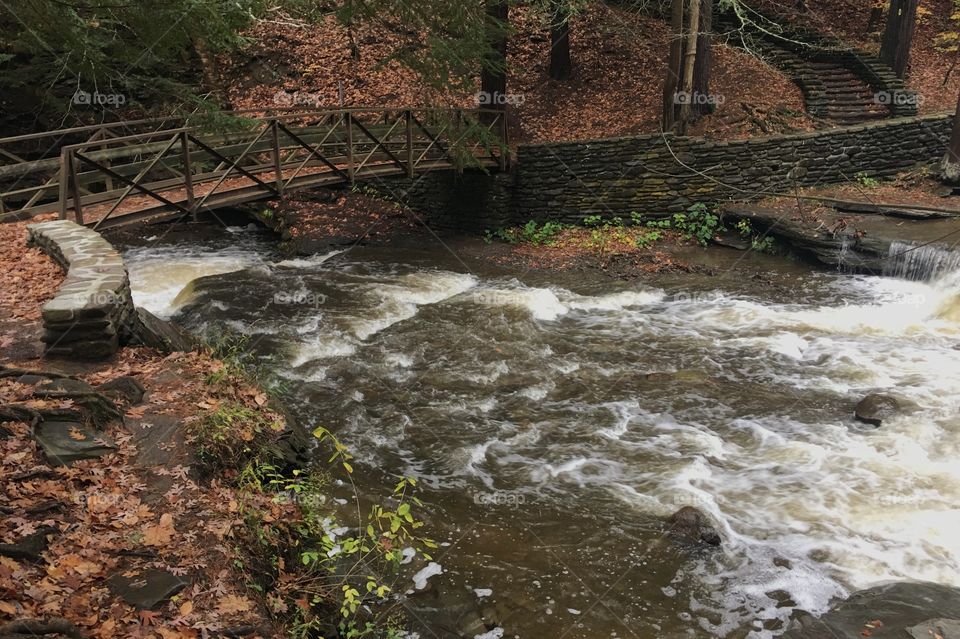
658,175
93,312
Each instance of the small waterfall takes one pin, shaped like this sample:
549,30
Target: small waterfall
922,263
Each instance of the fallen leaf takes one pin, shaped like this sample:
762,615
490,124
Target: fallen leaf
233,603
161,534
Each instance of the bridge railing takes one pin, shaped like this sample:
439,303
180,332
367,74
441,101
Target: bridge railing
184,170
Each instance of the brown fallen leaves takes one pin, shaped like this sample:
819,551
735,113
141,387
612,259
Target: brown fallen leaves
135,509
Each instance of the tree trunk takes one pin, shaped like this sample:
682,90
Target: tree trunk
898,35
561,66
690,59
876,14
701,69
950,166
674,66
493,76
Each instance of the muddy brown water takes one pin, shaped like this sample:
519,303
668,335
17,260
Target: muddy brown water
555,420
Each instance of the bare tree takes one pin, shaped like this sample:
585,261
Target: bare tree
561,67
674,66
950,166
898,35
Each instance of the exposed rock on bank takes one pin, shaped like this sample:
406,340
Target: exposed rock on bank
891,610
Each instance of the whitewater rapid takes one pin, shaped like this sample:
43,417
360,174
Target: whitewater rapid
622,402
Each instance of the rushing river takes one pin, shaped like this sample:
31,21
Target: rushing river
554,421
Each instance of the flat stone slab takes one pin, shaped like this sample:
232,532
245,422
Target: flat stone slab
148,589
899,607
67,442
934,628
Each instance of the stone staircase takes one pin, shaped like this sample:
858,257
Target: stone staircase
841,85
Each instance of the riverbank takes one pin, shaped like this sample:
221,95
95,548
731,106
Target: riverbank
81,537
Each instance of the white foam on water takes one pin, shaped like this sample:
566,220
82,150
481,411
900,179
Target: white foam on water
541,303
616,301
159,274
401,299
431,570
308,262
321,346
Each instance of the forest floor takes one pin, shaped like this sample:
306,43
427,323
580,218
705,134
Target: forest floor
141,507
619,56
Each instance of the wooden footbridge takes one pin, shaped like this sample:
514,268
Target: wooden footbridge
164,169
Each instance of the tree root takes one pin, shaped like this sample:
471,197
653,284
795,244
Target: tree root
7,371
23,628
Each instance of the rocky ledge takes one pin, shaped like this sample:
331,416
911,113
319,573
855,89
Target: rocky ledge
93,312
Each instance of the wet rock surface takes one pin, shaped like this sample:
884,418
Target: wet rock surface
689,525
898,607
875,408
160,334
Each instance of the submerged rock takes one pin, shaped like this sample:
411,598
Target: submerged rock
690,525
875,408
898,607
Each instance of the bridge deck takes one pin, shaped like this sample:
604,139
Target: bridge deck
113,178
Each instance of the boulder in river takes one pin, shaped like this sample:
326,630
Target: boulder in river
690,525
898,607
875,408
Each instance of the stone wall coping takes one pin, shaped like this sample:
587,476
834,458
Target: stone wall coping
94,305
805,135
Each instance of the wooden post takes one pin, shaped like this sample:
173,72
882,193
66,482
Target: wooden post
75,189
458,161
187,173
408,114
350,170
276,155
64,180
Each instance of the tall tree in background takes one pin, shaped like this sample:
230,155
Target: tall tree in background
686,88
671,85
493,73
950,166
898,35
561,66
704,62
